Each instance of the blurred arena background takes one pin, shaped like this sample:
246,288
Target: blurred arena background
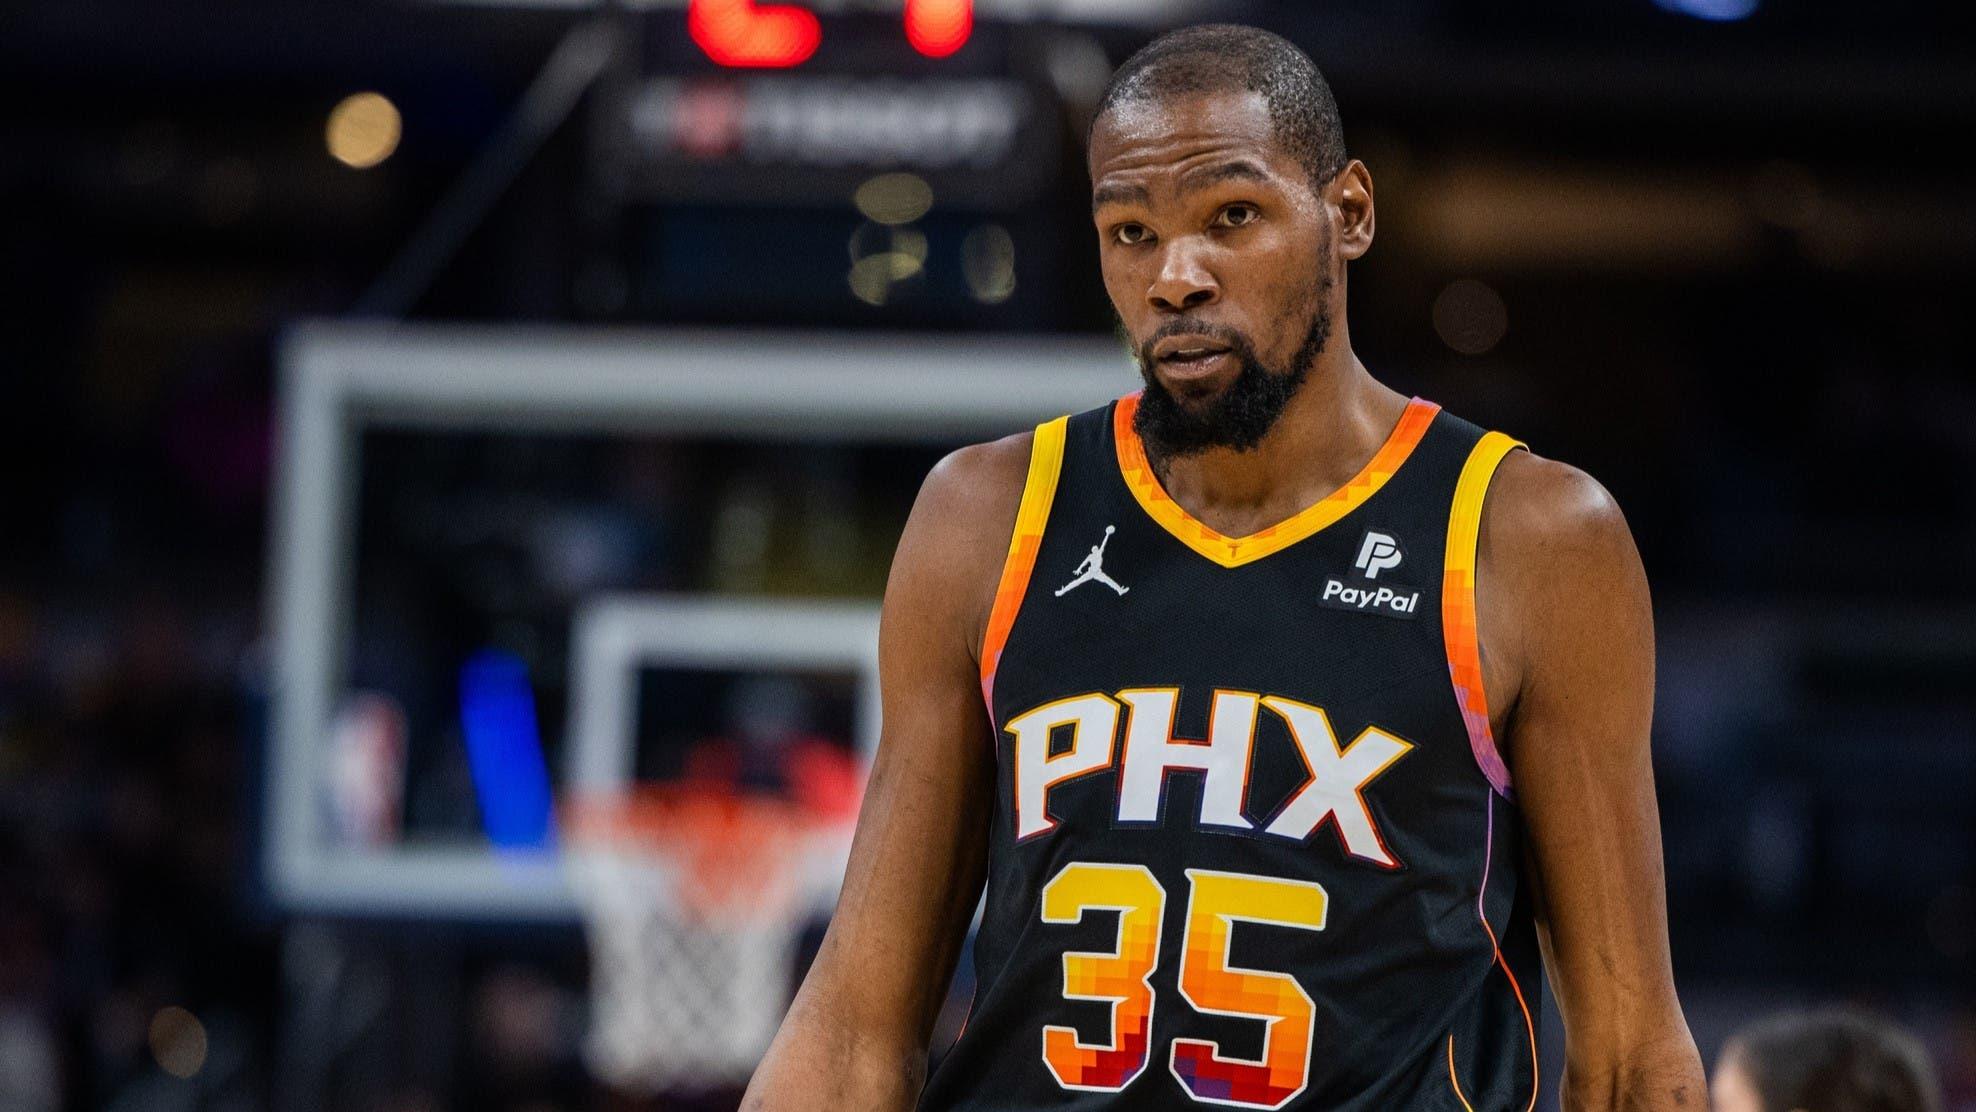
418,419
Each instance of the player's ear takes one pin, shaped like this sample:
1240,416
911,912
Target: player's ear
1350,193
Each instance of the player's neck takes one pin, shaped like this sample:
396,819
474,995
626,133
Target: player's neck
1337,420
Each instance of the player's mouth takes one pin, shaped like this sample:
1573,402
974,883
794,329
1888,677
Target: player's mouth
1192,358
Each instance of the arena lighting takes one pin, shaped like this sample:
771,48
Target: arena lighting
178,1042
988,261
894,198
363,130
1147,14
740,33
1715,11
744,33
937,28
1470,316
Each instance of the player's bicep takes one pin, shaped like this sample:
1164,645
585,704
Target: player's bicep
917,861
1580,759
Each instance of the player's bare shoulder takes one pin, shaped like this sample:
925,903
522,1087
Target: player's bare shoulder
1546,510
1554,550
958,535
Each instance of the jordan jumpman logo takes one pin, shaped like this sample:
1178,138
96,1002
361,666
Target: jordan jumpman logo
1093,567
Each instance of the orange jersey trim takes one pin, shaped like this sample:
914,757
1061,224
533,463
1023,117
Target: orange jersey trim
1529,1025
1496,949
1231,552
1039,490
1456,1081
1458,621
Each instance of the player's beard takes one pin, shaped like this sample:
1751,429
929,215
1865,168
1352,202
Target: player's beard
1244,412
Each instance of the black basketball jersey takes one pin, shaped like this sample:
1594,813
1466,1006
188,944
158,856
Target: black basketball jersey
1253,846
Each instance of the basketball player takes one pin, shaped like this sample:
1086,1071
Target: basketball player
1277,812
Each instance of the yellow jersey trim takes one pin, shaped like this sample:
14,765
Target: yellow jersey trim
1458,621
1039,491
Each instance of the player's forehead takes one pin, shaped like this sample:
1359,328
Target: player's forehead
1140,140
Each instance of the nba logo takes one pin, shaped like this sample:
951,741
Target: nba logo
1376,554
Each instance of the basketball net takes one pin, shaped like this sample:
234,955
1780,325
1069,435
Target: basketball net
694,902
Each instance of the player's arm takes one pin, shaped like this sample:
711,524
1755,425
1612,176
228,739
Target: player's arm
855,1037
1563,587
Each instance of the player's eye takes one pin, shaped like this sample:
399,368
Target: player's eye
1234,216
1131,235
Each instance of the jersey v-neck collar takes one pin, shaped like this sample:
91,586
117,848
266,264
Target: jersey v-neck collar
1232,552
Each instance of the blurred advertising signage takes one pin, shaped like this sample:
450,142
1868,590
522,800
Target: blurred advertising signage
788,138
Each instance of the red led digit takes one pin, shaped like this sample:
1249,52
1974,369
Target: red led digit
937,28
740,33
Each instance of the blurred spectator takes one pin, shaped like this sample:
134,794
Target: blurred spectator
1824,1061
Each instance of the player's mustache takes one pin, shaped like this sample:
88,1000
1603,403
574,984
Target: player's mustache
1184,326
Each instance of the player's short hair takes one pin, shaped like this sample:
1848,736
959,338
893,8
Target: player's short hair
1226,57
1835,1060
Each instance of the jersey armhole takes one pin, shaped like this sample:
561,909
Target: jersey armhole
1038,492
1458,621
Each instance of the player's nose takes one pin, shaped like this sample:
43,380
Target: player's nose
1183,283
